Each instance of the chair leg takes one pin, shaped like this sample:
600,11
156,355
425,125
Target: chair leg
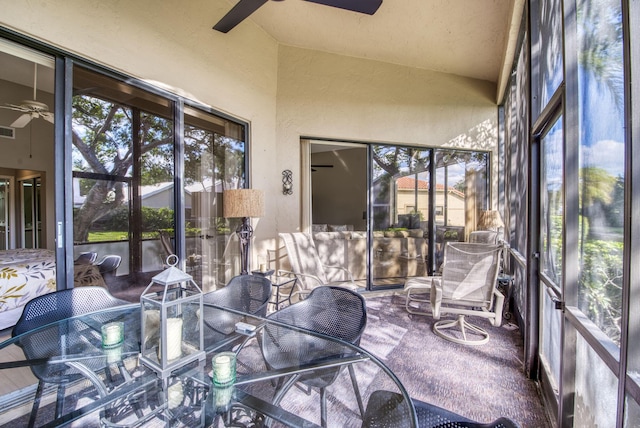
36,404
356,389
413,298
323,407
284,388
60,400
461,324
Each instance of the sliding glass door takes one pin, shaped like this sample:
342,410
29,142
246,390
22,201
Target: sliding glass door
400,213
214,154
125,200
385,212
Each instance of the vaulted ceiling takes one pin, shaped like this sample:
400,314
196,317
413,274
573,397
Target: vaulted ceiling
471,38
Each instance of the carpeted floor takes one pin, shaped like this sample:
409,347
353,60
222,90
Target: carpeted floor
479,382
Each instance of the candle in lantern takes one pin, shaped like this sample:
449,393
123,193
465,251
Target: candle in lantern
175,395
224,368
112,334
174,338
263,267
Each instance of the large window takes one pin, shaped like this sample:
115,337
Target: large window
124,176
577,264
602,177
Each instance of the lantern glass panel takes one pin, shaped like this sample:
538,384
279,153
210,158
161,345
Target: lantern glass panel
171,326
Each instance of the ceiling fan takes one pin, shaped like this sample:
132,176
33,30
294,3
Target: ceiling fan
31,109
244,8
313,167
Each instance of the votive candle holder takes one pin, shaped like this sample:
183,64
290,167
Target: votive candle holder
224,368
112,334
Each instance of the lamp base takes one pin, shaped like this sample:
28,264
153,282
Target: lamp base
244,232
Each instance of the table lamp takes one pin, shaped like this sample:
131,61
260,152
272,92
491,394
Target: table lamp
490,220
243,203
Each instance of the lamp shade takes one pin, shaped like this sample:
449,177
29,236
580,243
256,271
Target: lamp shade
490,220
243,203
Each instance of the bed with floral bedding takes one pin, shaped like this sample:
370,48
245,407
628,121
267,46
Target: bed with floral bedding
24,274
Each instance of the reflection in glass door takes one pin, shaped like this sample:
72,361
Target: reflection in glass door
31,229
123,168
214,161
400,196
461,193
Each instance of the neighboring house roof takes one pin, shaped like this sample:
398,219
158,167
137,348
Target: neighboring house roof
151,190
409,183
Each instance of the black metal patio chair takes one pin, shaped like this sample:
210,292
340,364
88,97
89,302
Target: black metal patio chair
386,409
329,310
246,293
46,309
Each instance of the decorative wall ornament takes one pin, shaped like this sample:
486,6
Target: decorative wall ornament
287,182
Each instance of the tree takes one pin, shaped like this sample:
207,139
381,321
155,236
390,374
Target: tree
597,191
103,140
103,136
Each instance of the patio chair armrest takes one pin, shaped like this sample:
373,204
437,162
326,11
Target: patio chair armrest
436,297
499,304
303,275
282,272
345,270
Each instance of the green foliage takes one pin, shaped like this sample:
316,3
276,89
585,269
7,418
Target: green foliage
600,291
419,213
156,218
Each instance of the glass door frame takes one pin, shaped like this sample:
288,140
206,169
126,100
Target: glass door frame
540,284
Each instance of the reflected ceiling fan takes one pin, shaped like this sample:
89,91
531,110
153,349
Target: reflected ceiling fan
31,109
314,167
244,8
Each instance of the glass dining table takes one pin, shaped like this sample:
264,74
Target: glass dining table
112,387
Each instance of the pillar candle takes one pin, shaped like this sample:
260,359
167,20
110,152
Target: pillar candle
175,395
174,338
224,368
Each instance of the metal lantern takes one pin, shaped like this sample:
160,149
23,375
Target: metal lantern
171,321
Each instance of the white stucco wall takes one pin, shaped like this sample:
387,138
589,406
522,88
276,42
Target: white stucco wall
329,96
282,92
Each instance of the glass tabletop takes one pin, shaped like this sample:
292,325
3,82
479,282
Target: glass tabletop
280,372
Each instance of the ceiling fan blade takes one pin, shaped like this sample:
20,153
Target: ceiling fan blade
47,116
22,121
14,107
237,14
362,6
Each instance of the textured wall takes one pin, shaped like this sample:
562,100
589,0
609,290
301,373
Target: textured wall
329,96
283,92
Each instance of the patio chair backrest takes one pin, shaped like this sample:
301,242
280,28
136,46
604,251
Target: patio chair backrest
88,257
470,272
64,304
304,258
332,311
483,237
246,293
